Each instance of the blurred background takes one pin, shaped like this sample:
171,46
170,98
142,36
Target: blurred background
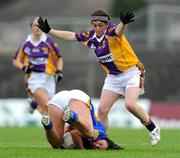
155,37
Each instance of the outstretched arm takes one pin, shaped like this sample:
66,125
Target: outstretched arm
44,26
67,35
125,19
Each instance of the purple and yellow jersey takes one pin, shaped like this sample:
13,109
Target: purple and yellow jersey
40,55
114,53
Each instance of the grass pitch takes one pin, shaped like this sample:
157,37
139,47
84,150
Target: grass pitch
31,143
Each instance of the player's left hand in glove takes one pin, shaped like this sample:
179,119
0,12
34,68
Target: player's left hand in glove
127,17
26,69
59,75
43,25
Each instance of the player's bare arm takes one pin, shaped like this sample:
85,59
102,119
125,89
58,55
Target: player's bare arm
67,35
120,29
44,26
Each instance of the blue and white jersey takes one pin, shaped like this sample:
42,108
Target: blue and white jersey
61,100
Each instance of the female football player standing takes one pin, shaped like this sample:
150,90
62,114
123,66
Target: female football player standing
36,57
125,73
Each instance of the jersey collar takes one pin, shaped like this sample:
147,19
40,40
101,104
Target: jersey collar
97,38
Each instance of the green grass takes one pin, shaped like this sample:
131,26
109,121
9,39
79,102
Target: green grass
31,143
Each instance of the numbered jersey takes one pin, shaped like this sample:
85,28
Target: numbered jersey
39,55
114,53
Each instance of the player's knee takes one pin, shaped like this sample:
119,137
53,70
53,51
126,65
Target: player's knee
130,105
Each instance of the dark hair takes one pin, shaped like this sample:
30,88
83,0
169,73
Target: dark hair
111,144
86,143
100,13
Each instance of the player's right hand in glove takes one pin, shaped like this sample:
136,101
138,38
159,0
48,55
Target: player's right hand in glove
127,17
43,25
26,69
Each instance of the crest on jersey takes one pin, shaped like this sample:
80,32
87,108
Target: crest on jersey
27,50
111,29
85,34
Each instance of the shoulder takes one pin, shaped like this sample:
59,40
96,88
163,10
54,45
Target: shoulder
88,33
111,28
85,35
49,39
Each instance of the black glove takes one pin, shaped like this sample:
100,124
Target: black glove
43,25
59,75
26,69
127,18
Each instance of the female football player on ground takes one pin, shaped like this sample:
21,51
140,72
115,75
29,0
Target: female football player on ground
75,108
